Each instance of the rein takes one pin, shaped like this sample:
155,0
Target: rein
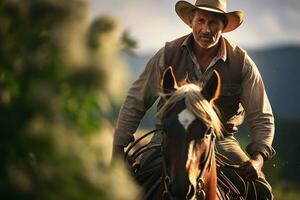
143,148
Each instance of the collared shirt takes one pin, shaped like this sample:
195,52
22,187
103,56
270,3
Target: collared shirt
145,90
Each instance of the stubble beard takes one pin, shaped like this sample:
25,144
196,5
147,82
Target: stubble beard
206,44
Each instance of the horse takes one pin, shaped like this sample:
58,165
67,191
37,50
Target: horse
192,125
185,165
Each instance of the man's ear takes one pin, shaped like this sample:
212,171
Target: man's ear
168,82
211,89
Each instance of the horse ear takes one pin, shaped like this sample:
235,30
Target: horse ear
168,81
211,89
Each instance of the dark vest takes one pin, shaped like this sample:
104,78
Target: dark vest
232,113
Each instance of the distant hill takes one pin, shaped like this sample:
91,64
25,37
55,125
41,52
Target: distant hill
280,69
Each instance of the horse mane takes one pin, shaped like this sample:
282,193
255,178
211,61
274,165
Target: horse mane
196,104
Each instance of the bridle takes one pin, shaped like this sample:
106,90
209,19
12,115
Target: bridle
198,192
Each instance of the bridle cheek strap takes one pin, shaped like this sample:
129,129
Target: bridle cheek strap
200,193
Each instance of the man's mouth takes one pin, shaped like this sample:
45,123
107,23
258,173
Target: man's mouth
206,38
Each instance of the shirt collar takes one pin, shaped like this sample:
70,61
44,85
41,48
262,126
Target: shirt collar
189,44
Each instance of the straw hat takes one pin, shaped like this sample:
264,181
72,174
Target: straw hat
234,18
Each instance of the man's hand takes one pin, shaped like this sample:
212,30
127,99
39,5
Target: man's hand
251,169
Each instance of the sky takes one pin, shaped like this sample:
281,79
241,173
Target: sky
153,22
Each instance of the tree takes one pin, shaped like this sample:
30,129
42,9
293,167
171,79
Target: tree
50,107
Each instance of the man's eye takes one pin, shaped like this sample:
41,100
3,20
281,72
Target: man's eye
201,21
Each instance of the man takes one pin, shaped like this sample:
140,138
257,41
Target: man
197,54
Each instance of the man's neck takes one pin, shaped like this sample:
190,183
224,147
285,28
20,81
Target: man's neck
207,52
205,55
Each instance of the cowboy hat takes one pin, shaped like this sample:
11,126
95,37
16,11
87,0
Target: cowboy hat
234,19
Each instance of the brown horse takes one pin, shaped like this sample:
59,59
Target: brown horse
191,126
184,165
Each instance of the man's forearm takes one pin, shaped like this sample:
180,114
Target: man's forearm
129,118
141,96
128,121
258,111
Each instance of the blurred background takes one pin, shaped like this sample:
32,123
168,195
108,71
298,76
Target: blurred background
66,66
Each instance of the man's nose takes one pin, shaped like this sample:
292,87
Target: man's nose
206,28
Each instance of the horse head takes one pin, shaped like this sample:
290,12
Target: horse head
191,124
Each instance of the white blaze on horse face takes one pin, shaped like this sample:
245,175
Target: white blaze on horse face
185,117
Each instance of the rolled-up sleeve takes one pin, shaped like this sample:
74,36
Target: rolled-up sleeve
141,96
258,110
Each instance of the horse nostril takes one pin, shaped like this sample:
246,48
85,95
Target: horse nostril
191,192
200,195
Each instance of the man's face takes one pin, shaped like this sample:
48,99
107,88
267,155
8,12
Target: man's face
207,29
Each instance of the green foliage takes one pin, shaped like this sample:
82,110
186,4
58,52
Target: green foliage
50,110
130,44
286,192
100,26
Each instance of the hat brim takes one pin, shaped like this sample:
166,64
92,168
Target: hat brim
184,10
